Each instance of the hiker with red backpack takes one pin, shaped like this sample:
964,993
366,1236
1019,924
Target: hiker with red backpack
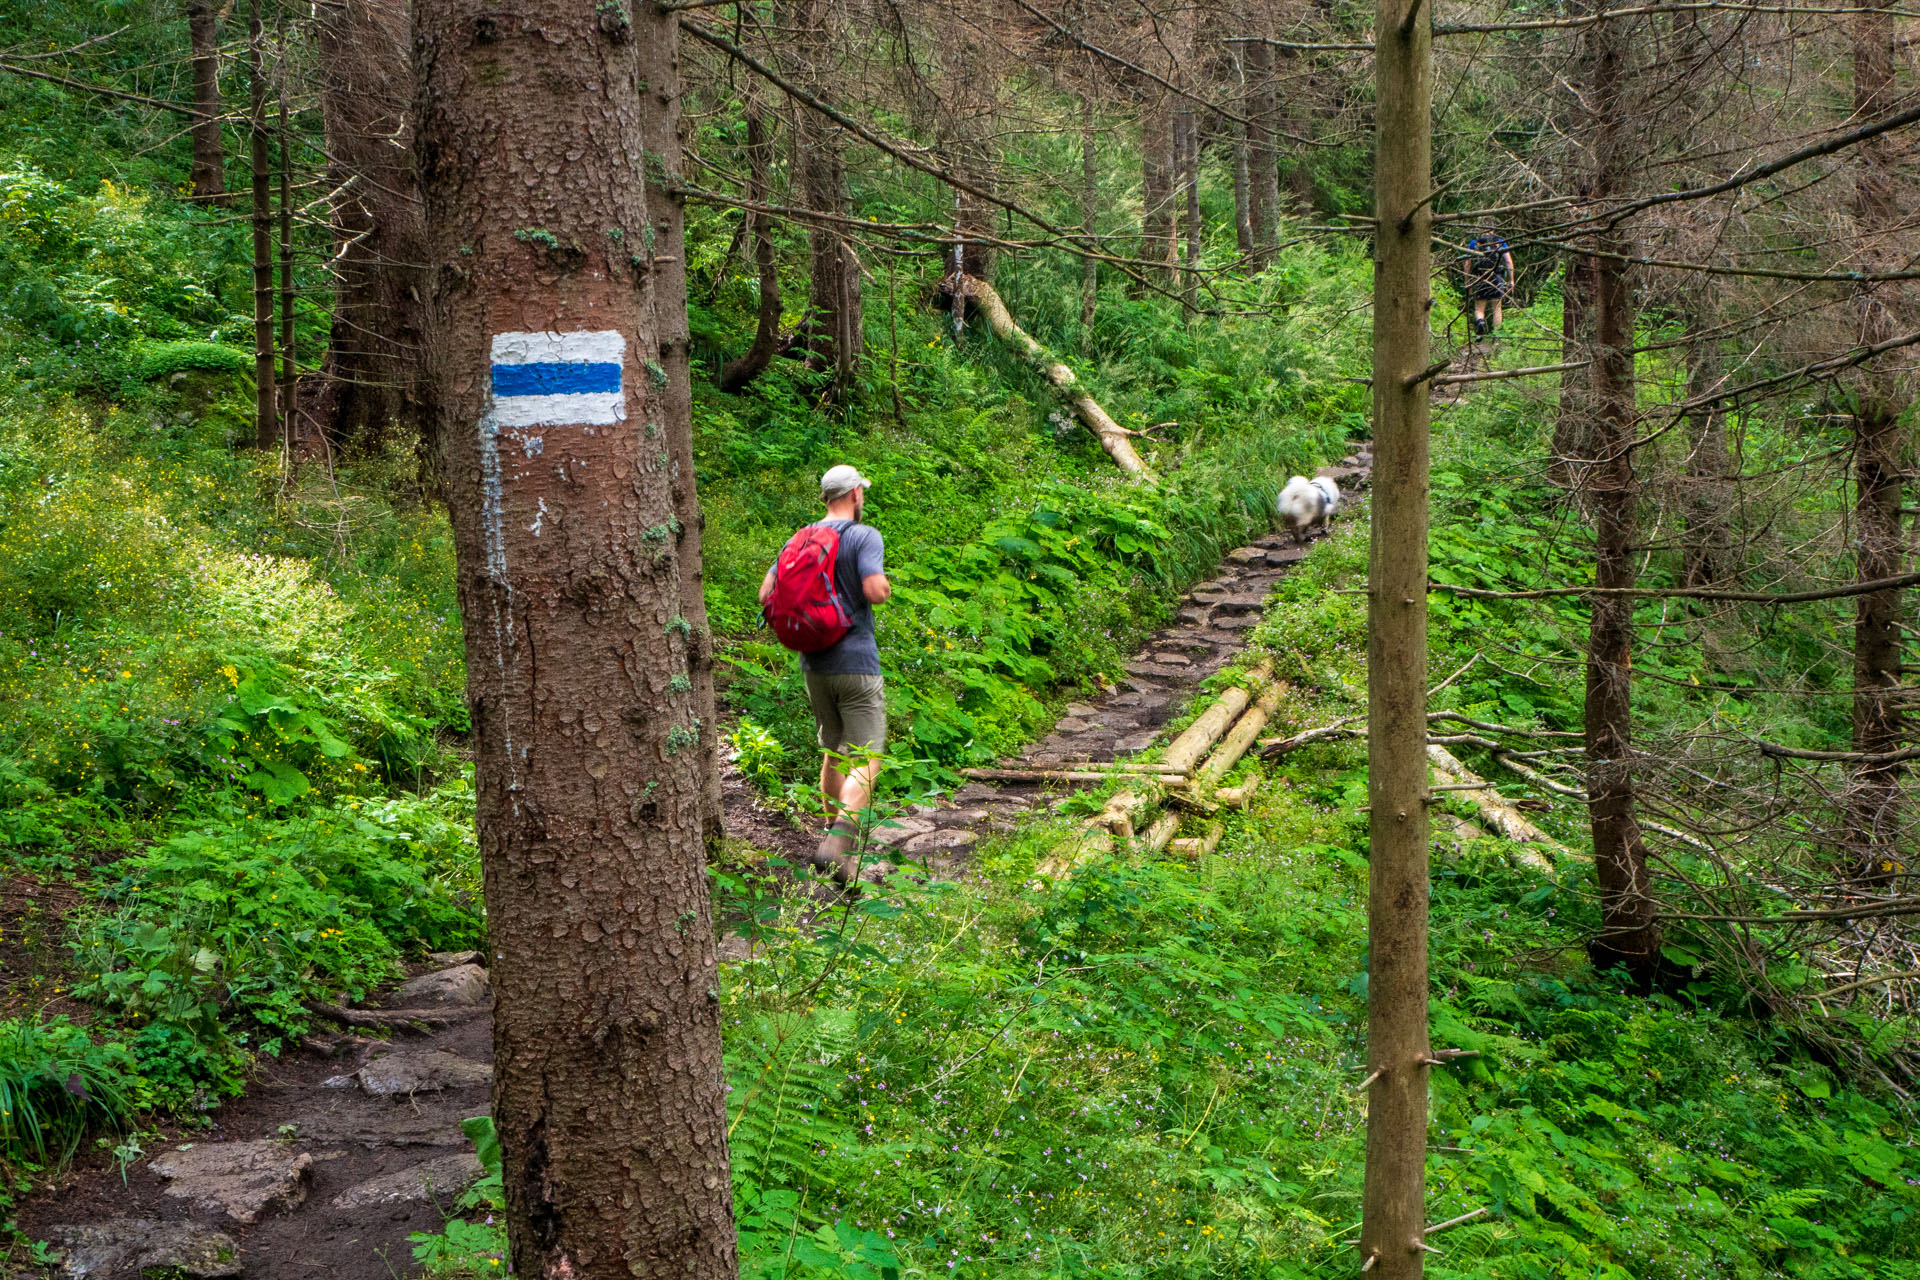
819,599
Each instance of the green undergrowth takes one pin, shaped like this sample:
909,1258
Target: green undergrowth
1150,1069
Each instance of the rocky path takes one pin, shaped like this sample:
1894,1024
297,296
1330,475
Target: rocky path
339,1151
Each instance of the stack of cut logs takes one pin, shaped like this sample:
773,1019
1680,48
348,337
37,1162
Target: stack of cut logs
1185,780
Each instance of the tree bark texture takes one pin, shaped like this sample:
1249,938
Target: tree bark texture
1187,135
1628,932
1089,210
266,419
1573,423
370,386
1872,818
1263,172
289,362
1156,185
1113,438
973,217
1393,1209
209,171
663,246
552,407
1707,539
1242,212
736,374
835,324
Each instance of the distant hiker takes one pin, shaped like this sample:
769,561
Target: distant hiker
1308,504
1488,268
819,599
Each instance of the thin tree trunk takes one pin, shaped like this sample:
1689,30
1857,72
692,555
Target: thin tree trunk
209,172
1707,539
1263,180
1156,185
836,331
546,376
1872,817
736,374
1393,1211
1629,935
1187,134
370,385
664,248
1089,207
266,421
1242,214
289,364
1573,423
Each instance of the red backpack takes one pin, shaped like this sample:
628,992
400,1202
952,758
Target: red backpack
805,611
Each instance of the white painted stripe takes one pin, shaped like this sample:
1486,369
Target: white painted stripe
591,409
592,346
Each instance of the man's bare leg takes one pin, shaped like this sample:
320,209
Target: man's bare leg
1498,305
832,785
848,792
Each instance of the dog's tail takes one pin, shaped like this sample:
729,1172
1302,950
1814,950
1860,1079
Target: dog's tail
1299,502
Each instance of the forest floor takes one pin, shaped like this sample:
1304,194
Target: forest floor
340,1150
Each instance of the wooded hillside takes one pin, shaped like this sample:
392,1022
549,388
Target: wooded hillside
1604,318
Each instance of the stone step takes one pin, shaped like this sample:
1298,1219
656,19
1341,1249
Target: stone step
1250,602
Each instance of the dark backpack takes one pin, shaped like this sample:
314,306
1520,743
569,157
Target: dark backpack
805,611
1488,261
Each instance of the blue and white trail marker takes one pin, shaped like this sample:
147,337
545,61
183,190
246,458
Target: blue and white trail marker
557,379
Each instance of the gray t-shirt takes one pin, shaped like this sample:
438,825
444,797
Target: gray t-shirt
862,554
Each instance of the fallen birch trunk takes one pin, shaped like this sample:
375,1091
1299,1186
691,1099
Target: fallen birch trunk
1245,730
1103,774
1193,742
1494,810
1194,848
1114,438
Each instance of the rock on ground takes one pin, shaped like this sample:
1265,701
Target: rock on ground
240,1179
409,1071
139,1246
443,1178
464,984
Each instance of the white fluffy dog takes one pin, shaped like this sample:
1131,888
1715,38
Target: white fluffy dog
1307,504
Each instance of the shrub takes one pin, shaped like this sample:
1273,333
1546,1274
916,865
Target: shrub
56,1082
163,359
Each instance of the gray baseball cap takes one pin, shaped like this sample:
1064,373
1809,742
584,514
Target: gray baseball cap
841,481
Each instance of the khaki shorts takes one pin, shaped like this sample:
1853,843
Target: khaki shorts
850,710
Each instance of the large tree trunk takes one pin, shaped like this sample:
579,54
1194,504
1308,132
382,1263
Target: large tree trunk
1156,185
1393,1210
370,385
209,172
1263,172
1629,935
552,404
1872,817
736,374
1242,212
973,217
266,419
1115,439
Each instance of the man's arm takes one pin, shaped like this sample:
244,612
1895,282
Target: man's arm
871,562
1511,275
766,587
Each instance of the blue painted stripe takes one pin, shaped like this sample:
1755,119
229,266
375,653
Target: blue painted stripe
554,379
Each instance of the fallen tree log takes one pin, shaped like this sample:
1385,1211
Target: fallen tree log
1494,810
1196,738
1161,832
1114,438
1102,774
1194,848
1245,730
